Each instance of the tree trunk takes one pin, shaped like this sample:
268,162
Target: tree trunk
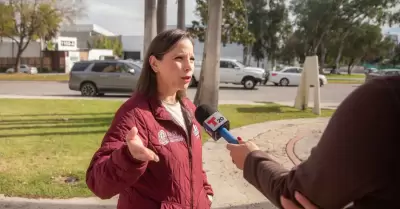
150,23
161,15
17,60
349,66
245,53
323,53
208,91
42,42
339,57
181,15
196,100
353,62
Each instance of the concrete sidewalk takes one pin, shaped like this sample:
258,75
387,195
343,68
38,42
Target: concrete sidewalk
231,190
272,137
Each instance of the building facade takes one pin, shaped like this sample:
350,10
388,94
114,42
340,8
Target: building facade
133,48
85,33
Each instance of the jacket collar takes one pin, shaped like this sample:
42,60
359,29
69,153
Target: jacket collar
160,112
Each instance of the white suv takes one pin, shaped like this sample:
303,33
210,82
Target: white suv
233,71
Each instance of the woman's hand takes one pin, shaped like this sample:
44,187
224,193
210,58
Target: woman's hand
288,204
137,149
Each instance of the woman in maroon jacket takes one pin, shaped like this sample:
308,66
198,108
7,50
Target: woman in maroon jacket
152,153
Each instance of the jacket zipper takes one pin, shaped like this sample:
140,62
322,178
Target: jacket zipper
191,176
189,144
189,127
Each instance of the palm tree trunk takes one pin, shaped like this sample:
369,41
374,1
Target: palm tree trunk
208,91
201,79
181,14
161,15
150,23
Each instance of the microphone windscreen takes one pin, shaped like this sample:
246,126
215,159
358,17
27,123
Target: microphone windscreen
203,112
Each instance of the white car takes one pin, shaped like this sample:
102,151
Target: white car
24,69
291,76
234,72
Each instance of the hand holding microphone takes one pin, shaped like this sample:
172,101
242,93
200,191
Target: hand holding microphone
239,152
217,126
137,149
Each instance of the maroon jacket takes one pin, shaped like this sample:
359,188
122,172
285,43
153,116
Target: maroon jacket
176,181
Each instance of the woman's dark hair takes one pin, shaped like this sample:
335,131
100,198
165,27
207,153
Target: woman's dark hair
159,46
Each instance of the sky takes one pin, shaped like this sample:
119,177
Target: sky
126,17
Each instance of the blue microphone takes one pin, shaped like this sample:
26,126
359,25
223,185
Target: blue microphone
214,123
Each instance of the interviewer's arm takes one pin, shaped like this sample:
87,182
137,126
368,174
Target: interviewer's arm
113,168
353,157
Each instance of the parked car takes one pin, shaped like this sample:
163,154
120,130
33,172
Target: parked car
291,76
380,73
370,70
234,72
24,69
97,77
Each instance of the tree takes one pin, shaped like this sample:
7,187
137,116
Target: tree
150,23
104,42
233,30
314,19
207,92
367,44
320,21
233,26
181,15
24,21
359,12
293,48
269,23
161,15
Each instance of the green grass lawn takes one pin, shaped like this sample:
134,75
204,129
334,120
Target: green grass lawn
42,142
345,81
345,76
34,77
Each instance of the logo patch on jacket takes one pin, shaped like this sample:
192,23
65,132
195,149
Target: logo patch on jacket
165,137
175,137
196,131
162,137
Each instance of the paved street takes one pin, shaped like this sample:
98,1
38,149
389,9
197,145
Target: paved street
331,93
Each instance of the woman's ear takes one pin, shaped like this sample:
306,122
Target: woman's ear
153,63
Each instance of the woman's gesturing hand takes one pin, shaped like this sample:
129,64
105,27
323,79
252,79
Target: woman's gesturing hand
137,149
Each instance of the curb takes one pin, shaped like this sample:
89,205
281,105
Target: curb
290,148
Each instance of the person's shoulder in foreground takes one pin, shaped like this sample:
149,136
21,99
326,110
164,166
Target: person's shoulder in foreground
355,161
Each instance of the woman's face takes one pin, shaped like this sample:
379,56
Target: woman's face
175,70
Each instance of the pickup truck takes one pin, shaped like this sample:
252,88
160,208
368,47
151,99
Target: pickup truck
234,72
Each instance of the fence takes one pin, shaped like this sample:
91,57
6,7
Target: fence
46,66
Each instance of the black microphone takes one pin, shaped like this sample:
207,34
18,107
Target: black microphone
215,124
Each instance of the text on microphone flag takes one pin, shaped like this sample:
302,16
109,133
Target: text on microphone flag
215,121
